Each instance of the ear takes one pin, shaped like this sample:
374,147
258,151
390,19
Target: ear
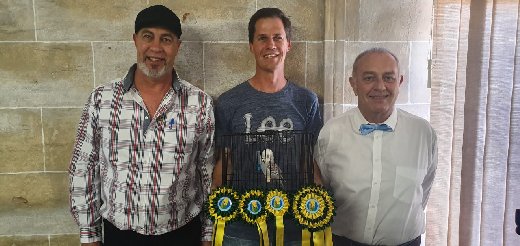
289,45
251,47
352,82
401,80
134,37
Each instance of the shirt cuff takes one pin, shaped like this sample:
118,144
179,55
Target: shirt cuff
90,234
207,230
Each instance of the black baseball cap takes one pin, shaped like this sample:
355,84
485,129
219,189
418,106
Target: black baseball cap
158,16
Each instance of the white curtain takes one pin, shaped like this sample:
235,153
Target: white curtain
475,108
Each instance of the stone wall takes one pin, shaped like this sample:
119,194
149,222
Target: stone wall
403,27
54,52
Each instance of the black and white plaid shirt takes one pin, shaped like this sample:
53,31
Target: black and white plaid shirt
142,173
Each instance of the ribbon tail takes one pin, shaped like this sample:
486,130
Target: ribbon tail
279,230
218,232
262,229
328,236
318,238
306,237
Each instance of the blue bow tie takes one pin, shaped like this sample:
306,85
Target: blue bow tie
365,129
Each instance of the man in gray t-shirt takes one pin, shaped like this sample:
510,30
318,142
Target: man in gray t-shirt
266,102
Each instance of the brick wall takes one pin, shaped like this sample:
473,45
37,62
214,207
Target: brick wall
53,53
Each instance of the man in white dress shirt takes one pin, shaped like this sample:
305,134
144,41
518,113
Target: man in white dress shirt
378,161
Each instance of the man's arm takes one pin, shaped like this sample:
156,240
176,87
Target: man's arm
314,120
206,161
430,173
84,177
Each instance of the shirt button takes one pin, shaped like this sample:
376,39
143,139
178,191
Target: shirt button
146,117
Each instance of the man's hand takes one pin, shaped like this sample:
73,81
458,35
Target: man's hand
91,244
205,243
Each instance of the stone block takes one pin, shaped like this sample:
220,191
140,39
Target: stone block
351,19
209,20
16,20
400,49
112,60
419,59
227,65
59,131
64,20
189,63
340,83
38,221
35,203
307,17
328,70
21,145
29,191
295,63
35,240
404,20
45,74
65,240
315,68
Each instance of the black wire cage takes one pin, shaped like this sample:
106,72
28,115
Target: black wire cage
267,160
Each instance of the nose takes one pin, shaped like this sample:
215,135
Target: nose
270,43
155,45
380,84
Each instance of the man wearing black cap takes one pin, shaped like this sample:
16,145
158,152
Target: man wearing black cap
143,157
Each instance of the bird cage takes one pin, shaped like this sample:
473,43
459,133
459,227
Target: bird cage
267,160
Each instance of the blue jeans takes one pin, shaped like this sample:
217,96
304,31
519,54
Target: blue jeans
235,241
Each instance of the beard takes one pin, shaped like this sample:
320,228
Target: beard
151,73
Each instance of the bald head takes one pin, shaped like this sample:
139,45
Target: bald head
378,50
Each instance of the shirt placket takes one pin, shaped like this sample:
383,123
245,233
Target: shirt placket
147,133
376,186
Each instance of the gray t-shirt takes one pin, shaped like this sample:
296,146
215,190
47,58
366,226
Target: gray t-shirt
243,109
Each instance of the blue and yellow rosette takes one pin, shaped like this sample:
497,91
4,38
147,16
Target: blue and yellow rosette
222,207
252,208
277,204
313,209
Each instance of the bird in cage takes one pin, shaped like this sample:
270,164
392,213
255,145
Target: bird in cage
269,167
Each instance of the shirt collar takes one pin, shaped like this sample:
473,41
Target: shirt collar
358,119
128,81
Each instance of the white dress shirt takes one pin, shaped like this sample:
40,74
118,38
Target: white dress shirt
381,181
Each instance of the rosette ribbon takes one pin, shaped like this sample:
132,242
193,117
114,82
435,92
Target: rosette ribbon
313,209
222,207
252,208
277,204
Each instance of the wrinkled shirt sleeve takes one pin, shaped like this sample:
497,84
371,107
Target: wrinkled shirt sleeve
314,120
84,177
430,173
205,161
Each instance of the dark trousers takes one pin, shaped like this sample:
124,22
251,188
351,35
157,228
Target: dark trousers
189,234
343,241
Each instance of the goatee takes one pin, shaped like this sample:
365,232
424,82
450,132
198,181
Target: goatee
151,73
